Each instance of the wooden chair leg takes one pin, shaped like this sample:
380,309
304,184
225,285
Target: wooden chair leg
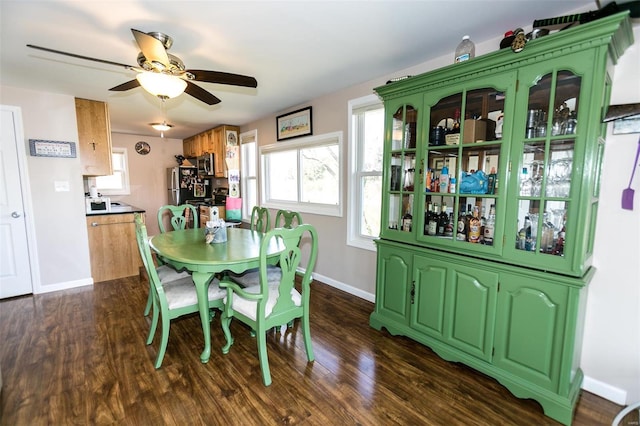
264,359
154,324
163,341
306,332
147,308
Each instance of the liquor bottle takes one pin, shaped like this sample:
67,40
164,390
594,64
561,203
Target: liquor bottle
491,181
448,229
461,233
433,221
490,226
407,220
474,227
427,217
443,220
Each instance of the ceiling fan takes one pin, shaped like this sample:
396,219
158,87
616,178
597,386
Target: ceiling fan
163,74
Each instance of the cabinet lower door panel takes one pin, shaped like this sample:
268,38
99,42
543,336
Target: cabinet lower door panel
471,308
430,281
531,336
393,270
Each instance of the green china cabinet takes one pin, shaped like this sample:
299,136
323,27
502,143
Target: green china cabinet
490,193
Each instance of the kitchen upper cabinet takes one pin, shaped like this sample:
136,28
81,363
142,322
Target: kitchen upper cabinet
213,141
94,137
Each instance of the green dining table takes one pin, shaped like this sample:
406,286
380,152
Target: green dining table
187,250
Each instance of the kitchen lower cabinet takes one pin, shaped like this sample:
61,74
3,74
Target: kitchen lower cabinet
517,325
112,246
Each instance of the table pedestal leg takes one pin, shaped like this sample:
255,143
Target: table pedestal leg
201,281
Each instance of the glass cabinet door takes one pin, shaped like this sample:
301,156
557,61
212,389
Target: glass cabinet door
463,162
401,169
546,164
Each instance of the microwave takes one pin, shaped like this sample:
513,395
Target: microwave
205,165
98,204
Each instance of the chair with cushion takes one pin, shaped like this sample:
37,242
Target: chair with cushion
178,218
261,222
171,299
178,221
267,305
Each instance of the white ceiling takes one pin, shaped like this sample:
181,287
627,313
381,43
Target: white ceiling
297,50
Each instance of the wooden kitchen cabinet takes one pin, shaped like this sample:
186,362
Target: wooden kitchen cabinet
94,137
213,141
112,246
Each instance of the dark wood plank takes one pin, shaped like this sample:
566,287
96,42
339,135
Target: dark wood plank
79,357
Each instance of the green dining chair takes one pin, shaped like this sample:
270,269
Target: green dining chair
260,219
265,306
171,299
287,219
261,222
178,221
178,218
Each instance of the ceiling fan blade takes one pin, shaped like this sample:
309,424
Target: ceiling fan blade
201,94
88,58
152,48
223,78
126,86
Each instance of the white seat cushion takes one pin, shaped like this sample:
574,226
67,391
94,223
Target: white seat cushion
252,276
182,292
167,273
248,307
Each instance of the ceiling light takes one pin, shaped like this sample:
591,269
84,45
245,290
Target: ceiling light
161,127
159,84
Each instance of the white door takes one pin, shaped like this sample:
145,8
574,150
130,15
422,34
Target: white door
15,272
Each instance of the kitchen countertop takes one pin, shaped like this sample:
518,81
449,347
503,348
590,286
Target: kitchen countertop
120,208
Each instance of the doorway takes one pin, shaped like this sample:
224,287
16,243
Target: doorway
17,245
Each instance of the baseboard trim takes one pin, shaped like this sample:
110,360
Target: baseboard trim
604,390
346,288
63,286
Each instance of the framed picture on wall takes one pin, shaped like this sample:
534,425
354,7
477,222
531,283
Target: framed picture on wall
294,124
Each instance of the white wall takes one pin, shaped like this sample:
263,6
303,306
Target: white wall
611,360
611,347
62,244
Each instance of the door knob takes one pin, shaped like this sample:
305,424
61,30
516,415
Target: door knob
15,215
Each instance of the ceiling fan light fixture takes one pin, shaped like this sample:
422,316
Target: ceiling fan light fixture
159,84
161,127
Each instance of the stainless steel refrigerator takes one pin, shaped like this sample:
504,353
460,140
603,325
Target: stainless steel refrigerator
184,185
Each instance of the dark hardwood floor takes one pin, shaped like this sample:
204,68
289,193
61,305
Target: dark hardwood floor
79,357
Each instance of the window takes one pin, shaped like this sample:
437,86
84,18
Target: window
249,171
303,174
366,141
118,182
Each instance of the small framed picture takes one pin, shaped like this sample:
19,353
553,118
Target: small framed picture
294,124
198,190
42,148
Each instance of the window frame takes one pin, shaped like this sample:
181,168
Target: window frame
246,138
334,138
354,237
126,189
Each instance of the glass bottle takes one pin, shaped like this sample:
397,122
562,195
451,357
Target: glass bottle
461,233
443,220
407,220
433,221
490,226
465,50
474,227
